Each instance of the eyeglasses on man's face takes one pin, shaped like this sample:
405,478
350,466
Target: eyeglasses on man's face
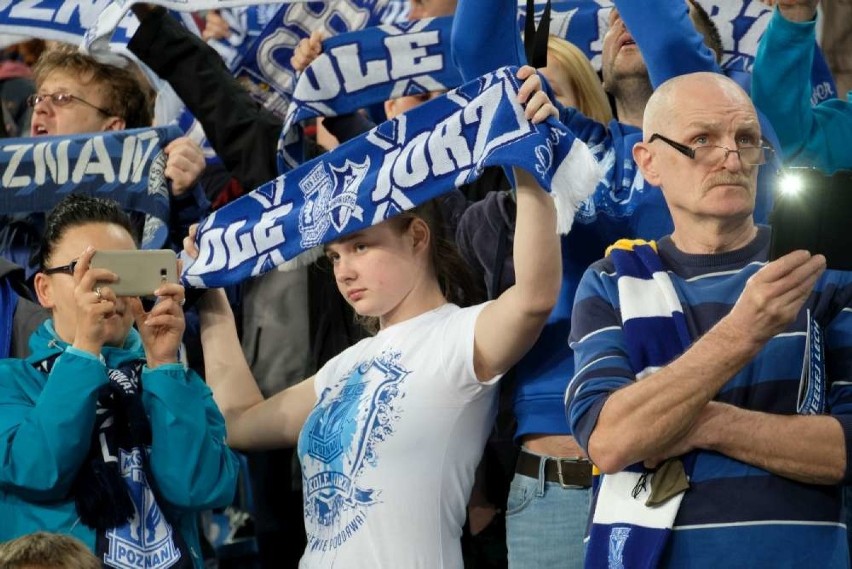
62,100
712,155
64,269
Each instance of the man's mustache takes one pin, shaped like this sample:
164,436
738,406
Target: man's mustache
729,179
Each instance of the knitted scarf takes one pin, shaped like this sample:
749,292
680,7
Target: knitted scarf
113,491
366,67
127,166
626,531
421,154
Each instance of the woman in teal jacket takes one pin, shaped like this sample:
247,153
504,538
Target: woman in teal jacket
104,435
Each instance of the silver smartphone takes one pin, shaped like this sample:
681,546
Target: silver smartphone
140,273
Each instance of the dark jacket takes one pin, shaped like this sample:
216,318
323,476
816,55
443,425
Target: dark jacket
245,136
26,316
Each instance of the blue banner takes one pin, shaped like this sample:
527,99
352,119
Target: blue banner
127,166
401,163
370,66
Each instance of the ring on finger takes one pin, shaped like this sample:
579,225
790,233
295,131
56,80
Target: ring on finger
98,292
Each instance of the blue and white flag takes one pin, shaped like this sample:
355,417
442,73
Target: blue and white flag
127,166
370,66
266,71
396,166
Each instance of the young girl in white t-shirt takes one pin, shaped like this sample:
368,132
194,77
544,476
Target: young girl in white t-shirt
390,431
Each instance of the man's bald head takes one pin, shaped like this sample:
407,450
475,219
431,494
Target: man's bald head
706,152
686,91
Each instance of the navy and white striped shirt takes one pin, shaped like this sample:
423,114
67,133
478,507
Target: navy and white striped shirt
734,514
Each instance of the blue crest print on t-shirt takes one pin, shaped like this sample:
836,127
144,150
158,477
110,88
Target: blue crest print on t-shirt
339,439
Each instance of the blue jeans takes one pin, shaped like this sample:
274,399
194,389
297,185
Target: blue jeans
545,523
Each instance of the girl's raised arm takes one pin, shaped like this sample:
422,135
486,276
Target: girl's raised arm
252,422
508,327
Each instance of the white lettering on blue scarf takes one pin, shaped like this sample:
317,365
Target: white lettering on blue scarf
365,67
127,166
398,165
813,398
266,67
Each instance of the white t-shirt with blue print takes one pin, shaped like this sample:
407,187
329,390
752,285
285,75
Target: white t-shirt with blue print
388,453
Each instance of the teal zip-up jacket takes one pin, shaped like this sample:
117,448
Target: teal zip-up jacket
46,423
810,135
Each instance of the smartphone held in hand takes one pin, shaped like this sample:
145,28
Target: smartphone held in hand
811,212
140,272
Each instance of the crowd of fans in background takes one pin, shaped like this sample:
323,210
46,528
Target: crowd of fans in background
722,409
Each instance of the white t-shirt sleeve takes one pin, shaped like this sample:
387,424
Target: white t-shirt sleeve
457,343
328,373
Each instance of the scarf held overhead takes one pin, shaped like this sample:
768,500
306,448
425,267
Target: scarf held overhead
265,67
127,166
396,166
113,13
369,66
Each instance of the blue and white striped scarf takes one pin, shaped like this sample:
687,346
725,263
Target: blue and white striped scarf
625,533
127,166
396,166
370,66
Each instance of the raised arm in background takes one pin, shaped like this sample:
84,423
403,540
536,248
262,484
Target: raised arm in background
781,87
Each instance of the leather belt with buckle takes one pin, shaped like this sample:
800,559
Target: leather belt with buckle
569,472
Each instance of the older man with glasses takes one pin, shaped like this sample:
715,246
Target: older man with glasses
731,450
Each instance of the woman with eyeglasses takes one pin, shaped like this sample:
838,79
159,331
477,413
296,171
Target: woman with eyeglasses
104,433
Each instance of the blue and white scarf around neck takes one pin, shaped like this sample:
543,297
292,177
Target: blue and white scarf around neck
396,166
127,166
625,532
366,67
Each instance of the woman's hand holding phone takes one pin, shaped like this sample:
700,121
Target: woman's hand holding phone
162,328
95,303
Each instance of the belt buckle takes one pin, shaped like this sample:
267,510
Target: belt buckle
562,483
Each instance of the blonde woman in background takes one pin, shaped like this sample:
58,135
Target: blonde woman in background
574,81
